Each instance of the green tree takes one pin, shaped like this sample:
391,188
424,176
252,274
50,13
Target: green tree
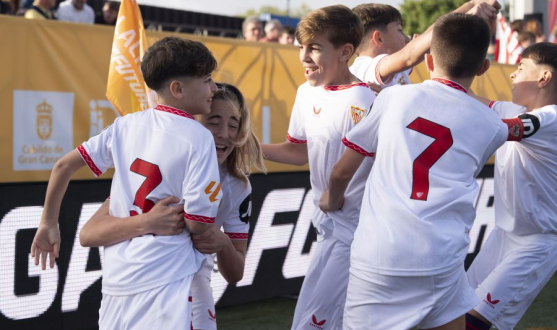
418,15
294,12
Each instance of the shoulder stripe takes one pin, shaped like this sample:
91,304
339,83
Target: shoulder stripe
198,218
88,160
357,148
293,140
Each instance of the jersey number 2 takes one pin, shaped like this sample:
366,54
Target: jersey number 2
422,163
153,178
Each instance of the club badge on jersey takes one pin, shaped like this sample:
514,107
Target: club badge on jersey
356,114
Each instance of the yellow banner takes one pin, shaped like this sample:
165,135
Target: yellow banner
54,78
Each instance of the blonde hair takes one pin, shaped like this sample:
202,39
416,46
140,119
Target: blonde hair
247,152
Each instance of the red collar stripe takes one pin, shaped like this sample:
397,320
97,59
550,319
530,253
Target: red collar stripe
343,87
173,111
451,84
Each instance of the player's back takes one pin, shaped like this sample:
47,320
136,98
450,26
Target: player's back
156,153
419,200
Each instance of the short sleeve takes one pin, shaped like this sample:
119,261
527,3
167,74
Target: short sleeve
201,187
506,109
97,151
498,140
236,223
296,128
540,128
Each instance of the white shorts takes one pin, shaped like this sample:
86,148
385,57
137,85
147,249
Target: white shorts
165,307
509,272
203,305
321,301
382,302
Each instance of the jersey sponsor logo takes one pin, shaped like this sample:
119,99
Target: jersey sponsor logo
214,192
317,324
531,124
212,317
316,111
491,302
245,209
356,114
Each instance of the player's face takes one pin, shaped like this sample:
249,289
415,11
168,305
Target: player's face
394,38
198,94
224,122
525,83
321,61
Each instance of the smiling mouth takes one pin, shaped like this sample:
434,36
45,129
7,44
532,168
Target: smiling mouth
221,148
309,71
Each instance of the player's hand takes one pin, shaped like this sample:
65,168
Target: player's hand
375,87
493,3
326,205
484,10
213,240
46,243
165,219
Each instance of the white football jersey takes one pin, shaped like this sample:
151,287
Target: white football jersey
321,117
367,70
418,204
526,173
157,153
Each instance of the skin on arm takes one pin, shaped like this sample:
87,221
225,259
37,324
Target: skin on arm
231,254
104,230
343,171
286,153
47,238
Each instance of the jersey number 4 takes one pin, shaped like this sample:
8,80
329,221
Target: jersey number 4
422,163
153,178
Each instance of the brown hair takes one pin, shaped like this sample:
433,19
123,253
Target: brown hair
459,44
338,22
525,36
542,53
534,26
247,151
173,57
517,25
376,16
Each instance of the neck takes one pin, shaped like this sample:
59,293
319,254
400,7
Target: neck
370,51
543,98
464,82
343,77
170,103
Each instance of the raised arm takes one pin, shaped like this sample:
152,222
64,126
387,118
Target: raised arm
47,238
286,153
104,230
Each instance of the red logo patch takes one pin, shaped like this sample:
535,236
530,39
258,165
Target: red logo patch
317,112
493,302
317,324
212,316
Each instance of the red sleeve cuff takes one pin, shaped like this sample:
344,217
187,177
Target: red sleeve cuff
490,105
239,236
88,160
357,148
516,129
198,218
293,140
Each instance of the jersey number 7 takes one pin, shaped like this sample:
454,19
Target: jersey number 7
153,178
422,163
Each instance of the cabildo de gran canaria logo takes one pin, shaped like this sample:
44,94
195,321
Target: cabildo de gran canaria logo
44,120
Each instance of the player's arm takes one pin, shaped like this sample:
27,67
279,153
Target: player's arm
413,53
286,153
482,99
104,230
47,238
342,173
231,253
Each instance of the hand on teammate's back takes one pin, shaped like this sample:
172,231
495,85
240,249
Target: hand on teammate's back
165,219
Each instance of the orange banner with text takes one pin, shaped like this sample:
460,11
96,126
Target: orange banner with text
54,80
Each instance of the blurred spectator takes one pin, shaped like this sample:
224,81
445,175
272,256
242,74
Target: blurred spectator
252,28
535,27
287,35
517,26
553,36
5,7
272,31
525,39
76,11
109,13
41,9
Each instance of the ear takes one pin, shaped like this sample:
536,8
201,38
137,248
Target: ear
484,68
546,77
176,89
428,59
376,38
346,52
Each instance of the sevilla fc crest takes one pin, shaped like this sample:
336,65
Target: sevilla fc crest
356,114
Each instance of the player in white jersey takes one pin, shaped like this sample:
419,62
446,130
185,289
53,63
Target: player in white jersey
237,151
156,153
520,255
386,55
408,254
327,106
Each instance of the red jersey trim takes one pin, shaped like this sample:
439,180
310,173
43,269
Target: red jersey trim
343,87
293,140
516,129
198,218
174,111
357,148
451,84
242,236
190,299
378,75
491,104
89,161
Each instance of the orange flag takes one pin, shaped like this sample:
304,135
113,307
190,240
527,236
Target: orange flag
126,88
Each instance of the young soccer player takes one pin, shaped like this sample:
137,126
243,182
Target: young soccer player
520,255
237,151
386,55
327,106
408,254
156,153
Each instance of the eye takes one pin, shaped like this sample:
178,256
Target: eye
233,126
209,80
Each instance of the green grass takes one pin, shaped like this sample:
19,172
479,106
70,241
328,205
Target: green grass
276,314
